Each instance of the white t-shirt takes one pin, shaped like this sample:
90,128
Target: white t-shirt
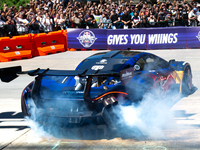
198,17
47,25
97,18
21,25
56,20
40,21
190,15
61,23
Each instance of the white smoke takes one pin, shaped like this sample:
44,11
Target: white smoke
32,121
150,118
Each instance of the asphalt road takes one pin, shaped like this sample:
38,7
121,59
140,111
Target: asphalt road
183,133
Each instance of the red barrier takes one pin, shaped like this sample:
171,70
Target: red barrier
15,48
53,42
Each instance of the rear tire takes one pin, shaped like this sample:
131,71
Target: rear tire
187,82
24,109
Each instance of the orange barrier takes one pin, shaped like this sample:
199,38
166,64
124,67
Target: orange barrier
15,48
50,43
26,46
71,49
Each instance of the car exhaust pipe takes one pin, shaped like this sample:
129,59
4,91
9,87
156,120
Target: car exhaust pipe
111,101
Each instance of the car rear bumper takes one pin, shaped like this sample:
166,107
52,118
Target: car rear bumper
69,119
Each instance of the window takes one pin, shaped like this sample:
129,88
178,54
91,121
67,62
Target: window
150,62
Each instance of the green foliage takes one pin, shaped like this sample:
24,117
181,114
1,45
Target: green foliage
16,3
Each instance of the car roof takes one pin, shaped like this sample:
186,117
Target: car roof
110,61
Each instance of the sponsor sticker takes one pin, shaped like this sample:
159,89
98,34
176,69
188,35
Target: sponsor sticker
97,67
126,75
17,53
52,47
103,61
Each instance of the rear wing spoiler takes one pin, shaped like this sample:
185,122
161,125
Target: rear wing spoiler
10,73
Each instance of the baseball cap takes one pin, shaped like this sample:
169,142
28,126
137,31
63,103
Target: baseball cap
195,9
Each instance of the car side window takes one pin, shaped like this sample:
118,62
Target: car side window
160,63
150,62
145,63
139,65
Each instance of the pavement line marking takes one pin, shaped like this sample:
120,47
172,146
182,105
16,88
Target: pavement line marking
153,147
58,143
6,145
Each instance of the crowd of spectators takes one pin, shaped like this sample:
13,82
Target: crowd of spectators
50,15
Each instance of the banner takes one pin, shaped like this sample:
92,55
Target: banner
124,39
193,37
86,38
166,38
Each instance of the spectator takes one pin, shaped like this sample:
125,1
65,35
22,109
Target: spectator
2,31
143,21
135,20
90,21
9,21
156,12
67,21
61,21
33,25
185,17
115,19
5,7
9,27
21,23
3,16
53,14
198,14
161,18
40,19
76,20
132,11
97,16
174,11
126,20
179,16
192,16
82,20
152,20
170,8
56,20
47,22
169,20
105,22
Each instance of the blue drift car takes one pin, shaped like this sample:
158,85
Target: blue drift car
88,94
